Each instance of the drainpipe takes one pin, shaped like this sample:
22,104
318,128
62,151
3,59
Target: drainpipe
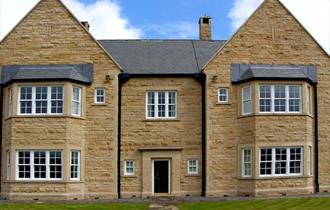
201,77
316,144
122,78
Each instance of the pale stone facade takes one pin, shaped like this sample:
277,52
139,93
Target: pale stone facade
50,34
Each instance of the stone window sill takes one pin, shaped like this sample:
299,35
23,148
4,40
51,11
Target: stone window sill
45,116
42,182
275,177
275,114
129,176
99,104
192,175
223,103
161,120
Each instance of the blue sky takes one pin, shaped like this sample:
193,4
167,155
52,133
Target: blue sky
171,19
144,13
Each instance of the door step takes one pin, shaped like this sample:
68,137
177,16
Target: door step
157,206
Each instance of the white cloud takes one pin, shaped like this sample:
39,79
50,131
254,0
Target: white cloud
313,14
176,30
104,16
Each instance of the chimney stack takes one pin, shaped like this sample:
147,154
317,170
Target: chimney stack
85,24
205,28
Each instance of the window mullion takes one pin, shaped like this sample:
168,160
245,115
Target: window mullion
156,104
33,100
273,161
32,164
166,104
288,161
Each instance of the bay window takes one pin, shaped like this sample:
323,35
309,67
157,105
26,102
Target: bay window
40,100
279,98
282,161
39,165
161,104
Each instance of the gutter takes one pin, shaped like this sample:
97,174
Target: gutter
316,143
122,78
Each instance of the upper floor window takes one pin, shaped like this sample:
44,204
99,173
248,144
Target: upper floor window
279,98
40,100
281,161
223,95
99,96
76,101
10,101
246,100
39,165
161,104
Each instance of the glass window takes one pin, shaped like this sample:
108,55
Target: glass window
57,100
246,100
129,167
265,98
223,95
294,98
161,104
7,165
192,166
10,101
25,100
35,165
41,100
99,95
308,100
76,101
75,165
247,162
283,161
279,98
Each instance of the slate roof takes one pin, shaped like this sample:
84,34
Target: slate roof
244,72
77,72
161,56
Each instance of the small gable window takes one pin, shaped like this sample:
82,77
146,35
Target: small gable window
223,95
99,96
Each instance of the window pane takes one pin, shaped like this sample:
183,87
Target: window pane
280,100
57,100
246,98
280,161
294,98
26,100
265,161
265,98
223,95
24,165
40,165
75,164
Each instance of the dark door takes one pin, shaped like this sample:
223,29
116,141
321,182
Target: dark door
161,178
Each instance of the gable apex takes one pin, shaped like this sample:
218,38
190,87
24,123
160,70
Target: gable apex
260,7
74,18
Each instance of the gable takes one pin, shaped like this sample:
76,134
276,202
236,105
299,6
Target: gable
270,33
51,30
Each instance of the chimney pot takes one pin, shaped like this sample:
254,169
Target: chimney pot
205,28
85,24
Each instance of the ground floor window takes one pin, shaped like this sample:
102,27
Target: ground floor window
75,165
39,165
192,167
129,167
281,161
247,162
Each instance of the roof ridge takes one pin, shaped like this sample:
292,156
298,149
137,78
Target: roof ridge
163,40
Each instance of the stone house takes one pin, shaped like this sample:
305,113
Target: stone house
99,119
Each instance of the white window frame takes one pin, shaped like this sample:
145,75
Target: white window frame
189,166
226,95
77,165
126,173
288,160
308,99
287,98
33,100
96,95
32,178
8,165
246,162
76,101
249,100
167,104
